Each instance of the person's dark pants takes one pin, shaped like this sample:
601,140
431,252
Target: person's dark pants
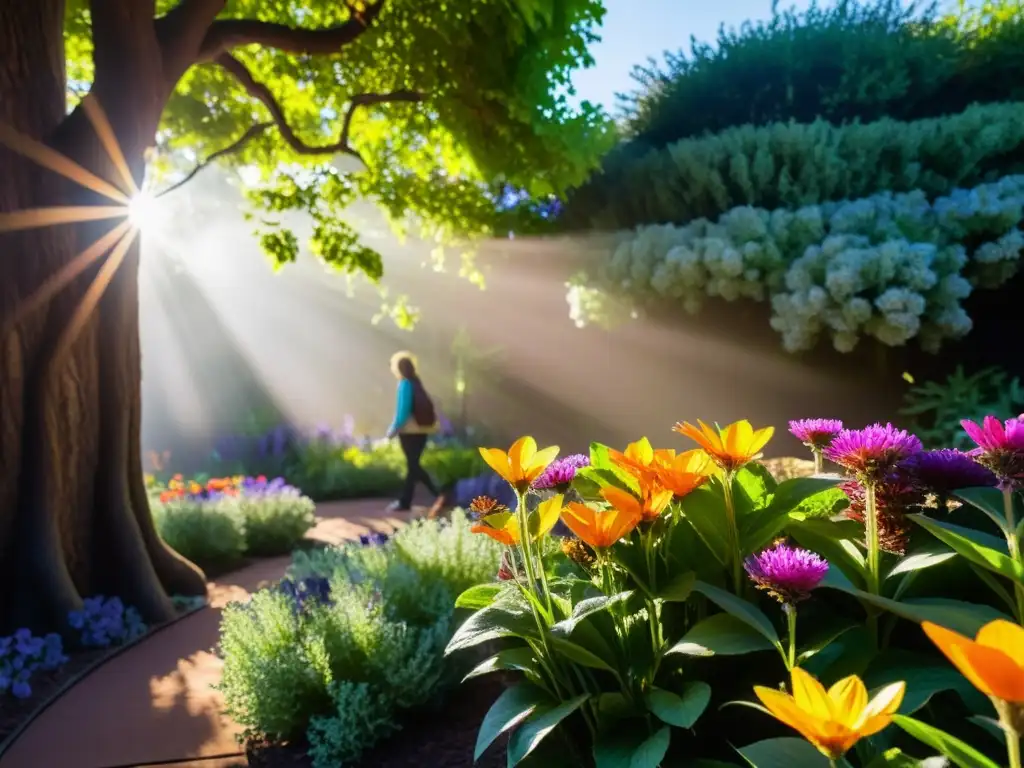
412,447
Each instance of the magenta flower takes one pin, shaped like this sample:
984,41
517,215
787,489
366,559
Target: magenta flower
946,471
1000,448
561,472
871,453
788,574
815,433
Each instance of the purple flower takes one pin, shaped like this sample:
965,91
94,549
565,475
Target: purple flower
815,433
1000,448
560,472
872,452
895,495
787,573
946,471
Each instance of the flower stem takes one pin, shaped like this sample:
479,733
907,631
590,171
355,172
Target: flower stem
874,555
1013,547
733,533
819,464
790,610
1013,750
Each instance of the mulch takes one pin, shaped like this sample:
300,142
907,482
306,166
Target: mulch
14,712
443,737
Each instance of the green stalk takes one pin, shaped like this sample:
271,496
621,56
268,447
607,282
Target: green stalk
1013,546
790,611
733,533
1013,750
819,463
874,554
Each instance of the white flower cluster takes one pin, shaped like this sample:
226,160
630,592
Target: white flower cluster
890,266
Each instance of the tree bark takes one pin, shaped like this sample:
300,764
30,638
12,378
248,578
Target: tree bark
74,514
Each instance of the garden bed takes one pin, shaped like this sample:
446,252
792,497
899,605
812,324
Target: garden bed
439,736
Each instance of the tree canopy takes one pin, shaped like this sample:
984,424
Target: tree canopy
441,105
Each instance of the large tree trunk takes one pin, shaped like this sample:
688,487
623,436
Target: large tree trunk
74,515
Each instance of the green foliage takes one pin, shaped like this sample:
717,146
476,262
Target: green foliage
841,62
344,671
890,267
275,524
485,106
937,407
209,533
791,165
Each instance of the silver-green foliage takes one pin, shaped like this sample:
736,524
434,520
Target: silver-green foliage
276,522
343,672
791,165
891,267
205,531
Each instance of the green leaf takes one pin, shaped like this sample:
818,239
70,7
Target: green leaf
587,608
978,548
965,618
489,624
513,706
653,750
721,635
830,539
679,589
519,659
480,596
544,720
920,560
925,677
823,641
681,710
988,500
783,753
579,655
741,609
894,758
961,754
704,510
761,527
599,457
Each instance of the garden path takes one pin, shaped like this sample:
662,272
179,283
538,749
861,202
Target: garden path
153,704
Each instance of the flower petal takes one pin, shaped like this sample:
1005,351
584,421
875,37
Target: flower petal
761,438
1004,636
784,709
991,671
548,512
580,519
497,460
810,695
849,698
539,462
521,454
737,438
622,501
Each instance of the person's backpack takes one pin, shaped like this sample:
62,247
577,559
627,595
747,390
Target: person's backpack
423,412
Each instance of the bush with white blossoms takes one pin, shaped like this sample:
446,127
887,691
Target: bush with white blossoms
891,266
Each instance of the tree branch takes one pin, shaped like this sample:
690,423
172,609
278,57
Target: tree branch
260,92
235,146
226,34
182,32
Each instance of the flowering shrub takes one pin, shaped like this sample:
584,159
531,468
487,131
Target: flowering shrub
332,464
676,558
891,267
352,638
21,655
791,165
106,621
218,522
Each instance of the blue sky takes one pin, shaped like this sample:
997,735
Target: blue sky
636,29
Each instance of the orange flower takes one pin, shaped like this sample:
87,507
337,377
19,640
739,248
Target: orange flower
649,507
639,459
598,529
730,447
685,472
993,661
503,527
522,464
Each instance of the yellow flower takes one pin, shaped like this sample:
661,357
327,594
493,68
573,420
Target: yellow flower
522,464
993,661
835,720
598,529
730,447
503,526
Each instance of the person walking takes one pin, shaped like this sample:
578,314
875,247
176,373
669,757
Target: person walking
415,420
